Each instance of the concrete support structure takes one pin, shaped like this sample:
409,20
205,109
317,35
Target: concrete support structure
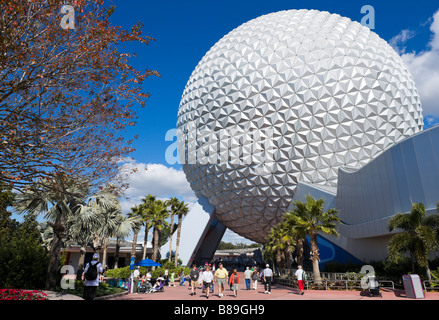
201,233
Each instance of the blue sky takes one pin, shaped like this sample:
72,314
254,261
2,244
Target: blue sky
186,30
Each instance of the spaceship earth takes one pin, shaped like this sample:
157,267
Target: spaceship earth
324,91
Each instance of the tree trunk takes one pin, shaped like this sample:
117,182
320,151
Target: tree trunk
427,270
104,254
315,256
116,255
412,259
178,240
145,242
156,245
299,251
54,255
278,259
82,252
133,248
289,258
170,237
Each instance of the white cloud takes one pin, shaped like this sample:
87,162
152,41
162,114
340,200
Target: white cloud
156,179
232,237
424,66
398,42
163,182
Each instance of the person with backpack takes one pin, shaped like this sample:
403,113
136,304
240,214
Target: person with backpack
91,277
301,277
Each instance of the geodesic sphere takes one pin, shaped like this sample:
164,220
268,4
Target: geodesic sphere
332,92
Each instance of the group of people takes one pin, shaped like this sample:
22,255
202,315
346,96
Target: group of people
198,277
146,278
207,278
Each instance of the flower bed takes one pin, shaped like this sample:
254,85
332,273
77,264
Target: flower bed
19,294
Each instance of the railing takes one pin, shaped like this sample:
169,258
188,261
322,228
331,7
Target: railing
328,284
430,287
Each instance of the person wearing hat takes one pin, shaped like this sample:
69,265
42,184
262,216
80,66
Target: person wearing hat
90,282
268,275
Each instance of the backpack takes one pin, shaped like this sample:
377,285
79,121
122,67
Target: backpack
92,272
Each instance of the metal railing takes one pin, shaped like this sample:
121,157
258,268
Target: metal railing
426,288
327,284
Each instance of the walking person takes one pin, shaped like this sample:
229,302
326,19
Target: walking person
181,276
255,278
207,280
200,277
91,277
300,276
136,279
166,276
171,282
221,276
193,275
248,276
268,275
234,281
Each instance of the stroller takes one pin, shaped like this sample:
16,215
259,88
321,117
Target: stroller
159,288
145,287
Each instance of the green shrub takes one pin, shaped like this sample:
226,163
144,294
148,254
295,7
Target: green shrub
23,260
104,289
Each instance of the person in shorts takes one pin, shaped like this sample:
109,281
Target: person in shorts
234,281
221,276
193,275
207,280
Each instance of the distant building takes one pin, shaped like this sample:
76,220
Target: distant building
73,254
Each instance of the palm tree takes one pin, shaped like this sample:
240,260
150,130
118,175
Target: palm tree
181,210
136,211
157,213
144,207
124,228
173,203
107,205
418,236
54,198
290,241
310,219
298,234
80,230
276,245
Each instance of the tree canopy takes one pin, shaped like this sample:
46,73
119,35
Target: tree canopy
66,95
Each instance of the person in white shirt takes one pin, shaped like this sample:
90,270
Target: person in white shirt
268,275
90,285
299,276
136,279
248,276
207,280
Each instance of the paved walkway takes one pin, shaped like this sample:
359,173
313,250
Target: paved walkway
277,293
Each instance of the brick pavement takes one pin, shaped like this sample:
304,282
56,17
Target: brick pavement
277,293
